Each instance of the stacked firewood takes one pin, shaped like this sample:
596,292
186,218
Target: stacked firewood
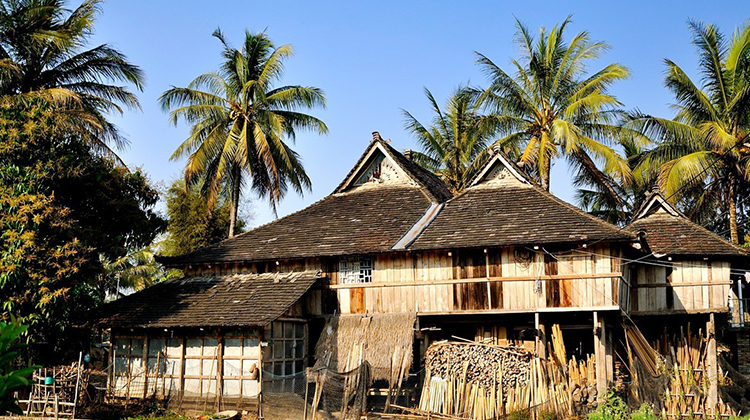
482,381
479,363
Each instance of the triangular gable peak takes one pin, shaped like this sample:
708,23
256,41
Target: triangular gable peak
656,203
499,169
377,166
382,165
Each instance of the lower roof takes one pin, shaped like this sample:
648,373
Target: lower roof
239,300
667,234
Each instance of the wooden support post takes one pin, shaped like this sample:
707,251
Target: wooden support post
541,337
712,364
111,367
600,353
182,370
220,369
144,366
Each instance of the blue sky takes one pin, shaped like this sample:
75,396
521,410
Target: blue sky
374,58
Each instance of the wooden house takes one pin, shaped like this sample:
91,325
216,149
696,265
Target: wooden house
502,261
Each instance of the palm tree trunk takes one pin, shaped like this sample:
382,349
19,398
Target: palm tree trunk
234,204
546,175
733,213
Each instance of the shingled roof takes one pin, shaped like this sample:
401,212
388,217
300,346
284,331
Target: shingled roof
502,207
669,232
360,217
216,301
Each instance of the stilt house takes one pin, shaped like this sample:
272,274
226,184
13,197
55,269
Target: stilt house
499,262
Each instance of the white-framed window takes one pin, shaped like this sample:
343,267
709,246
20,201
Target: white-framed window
355,270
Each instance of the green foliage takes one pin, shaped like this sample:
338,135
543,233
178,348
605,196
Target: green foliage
135,271
644,413
547,415
454,145
612,408
240,121
614,200
519,415
11,379
44,55
192,222
551,107
701,158
61,209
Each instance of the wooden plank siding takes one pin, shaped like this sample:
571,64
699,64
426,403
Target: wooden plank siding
680,286
503,279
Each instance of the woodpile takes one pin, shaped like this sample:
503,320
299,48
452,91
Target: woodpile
479,363
482,381
675,376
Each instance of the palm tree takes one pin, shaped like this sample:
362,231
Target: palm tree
455,143
43,54
595,194
704,150
240,122
552,107
134,271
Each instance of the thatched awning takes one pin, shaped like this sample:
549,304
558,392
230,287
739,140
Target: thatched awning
383,340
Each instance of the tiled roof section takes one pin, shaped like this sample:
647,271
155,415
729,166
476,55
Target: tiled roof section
367,219
667,234
434,187
509,212
237,300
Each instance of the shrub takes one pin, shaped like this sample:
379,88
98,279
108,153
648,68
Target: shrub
644,413
612,408
519,415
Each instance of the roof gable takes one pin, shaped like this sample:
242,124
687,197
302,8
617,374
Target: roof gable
376,167
656,203
499,167
381,164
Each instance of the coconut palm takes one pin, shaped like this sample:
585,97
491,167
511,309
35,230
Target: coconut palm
240,121
594,194
134,271
553,107
43,53
455,143
703,150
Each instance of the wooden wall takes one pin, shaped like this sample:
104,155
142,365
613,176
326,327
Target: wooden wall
680,286
504,279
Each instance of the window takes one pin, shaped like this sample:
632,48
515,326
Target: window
355,270
284,358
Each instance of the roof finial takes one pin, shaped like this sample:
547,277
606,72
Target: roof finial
376,136
407,154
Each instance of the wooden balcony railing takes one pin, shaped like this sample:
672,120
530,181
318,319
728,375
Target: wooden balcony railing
487,294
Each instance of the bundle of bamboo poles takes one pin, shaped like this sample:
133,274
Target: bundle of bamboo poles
687,393
482,392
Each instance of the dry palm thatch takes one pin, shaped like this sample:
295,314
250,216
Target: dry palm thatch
383,340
